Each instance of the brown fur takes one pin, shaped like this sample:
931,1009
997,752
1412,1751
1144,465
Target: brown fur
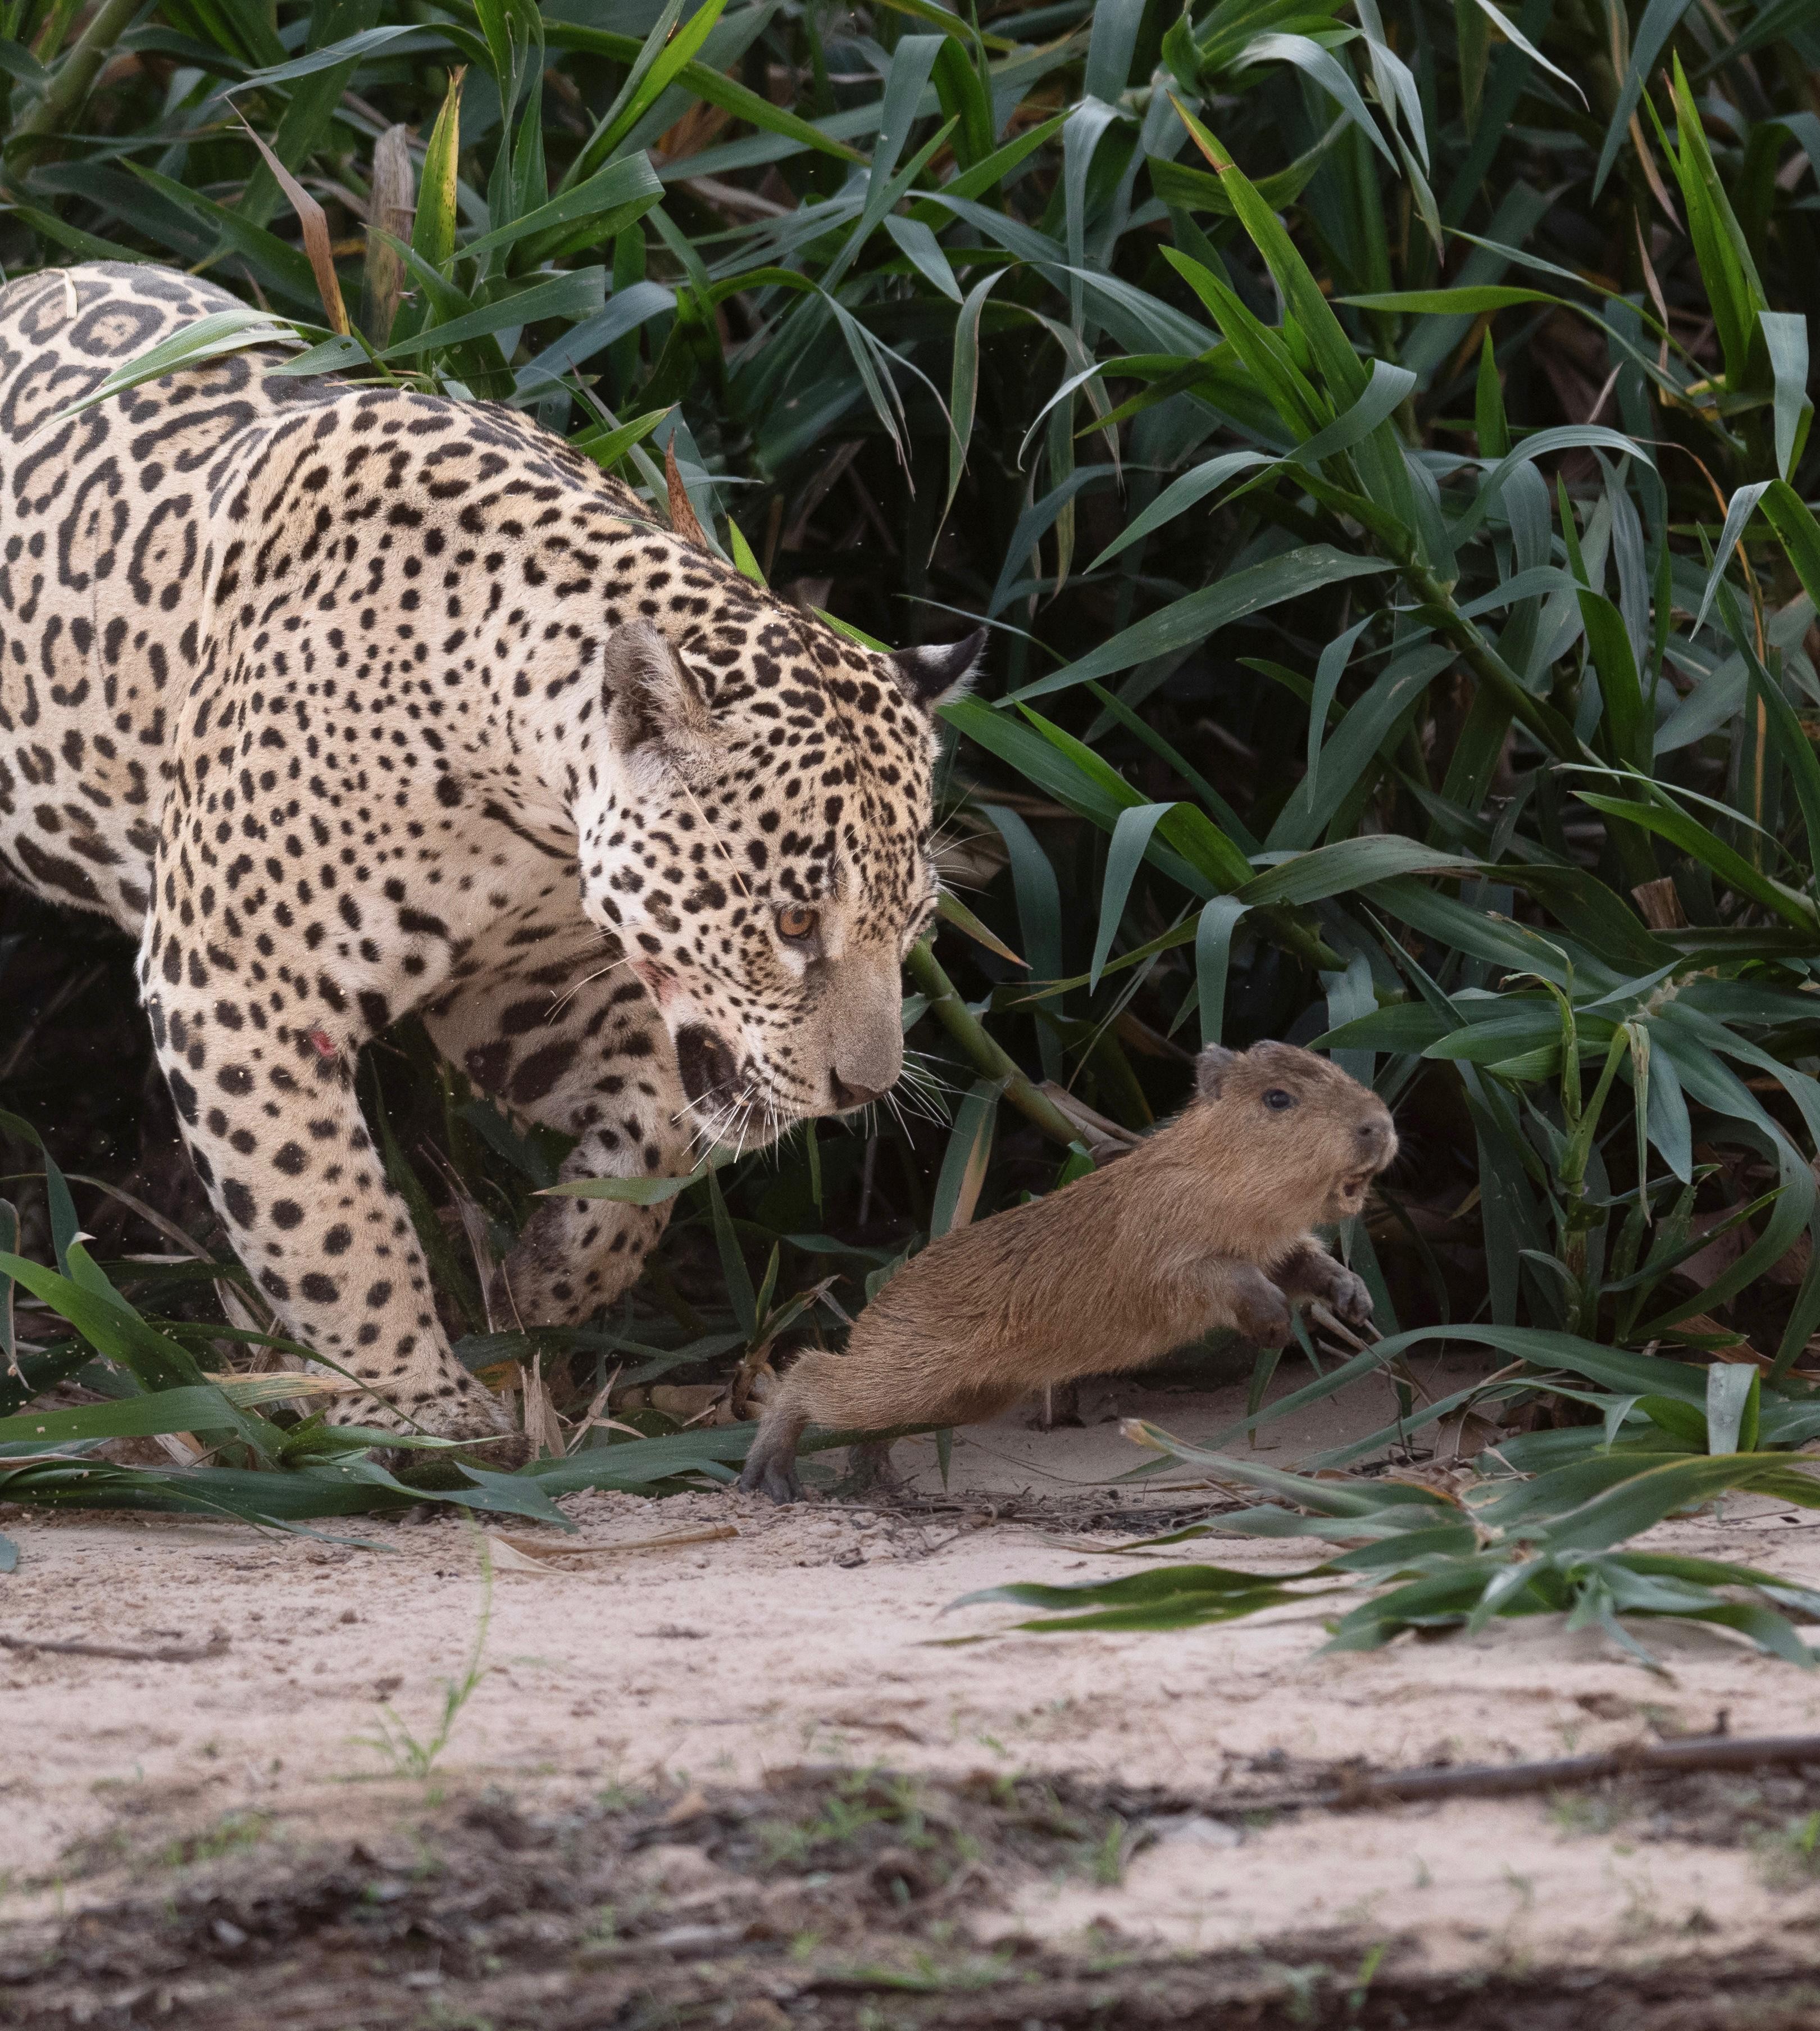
1206,1224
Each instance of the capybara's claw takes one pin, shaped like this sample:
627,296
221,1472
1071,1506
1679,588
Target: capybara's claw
773,1477
1351,1299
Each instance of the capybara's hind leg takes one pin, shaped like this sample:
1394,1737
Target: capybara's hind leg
869,1470
811,1393
770,1458
869,1467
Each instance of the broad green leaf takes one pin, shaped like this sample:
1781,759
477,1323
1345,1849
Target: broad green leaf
1733,869
608,202
208,338
1492,425
920,249
432,230
1733,288
1264,352
104,1318
579,293
1187,622
1793,521
1179,496
1660,20
1732,1392
1219,921
1384,393
1326,71
1191,190
1627,717
951,910
1785,338
9,1245
1470,300
1738,512
630,1191
607,448
715,89
969,1148
367,43
1348,864
1638,1502
1511,33
177,1409
1130,842
1347,757
964,381
1338,365
663,53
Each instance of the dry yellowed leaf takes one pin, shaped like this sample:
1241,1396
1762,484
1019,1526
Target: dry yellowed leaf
392,209
683,520
314,221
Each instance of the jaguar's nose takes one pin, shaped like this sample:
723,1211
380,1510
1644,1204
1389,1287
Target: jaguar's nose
846,1098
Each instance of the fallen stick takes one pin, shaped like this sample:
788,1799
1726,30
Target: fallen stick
1492,1780
167,1653
536,1548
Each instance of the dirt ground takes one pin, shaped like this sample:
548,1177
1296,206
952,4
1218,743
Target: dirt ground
750,1780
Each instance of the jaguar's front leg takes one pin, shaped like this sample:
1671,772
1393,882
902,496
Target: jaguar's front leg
260,1063
574,1042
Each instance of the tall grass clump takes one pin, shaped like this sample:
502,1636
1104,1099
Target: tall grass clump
1378,437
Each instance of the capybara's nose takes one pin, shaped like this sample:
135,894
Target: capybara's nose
1374,1133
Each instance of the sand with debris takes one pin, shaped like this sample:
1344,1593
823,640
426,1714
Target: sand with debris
817,1635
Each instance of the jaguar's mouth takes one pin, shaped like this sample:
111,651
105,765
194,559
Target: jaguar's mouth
708,1068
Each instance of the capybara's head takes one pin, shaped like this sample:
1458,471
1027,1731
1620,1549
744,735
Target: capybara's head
1315,1136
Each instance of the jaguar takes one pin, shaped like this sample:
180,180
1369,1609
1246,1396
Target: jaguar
352,702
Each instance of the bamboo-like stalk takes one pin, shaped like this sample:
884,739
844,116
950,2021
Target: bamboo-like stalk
955,1016
74,77
1542,719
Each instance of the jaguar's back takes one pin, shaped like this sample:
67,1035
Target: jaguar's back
103,541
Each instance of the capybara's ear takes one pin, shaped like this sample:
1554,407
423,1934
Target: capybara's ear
1210,1070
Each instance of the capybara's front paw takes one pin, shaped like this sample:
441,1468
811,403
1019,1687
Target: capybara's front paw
1323,1279
1349,1300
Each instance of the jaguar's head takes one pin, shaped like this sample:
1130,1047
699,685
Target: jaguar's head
759,845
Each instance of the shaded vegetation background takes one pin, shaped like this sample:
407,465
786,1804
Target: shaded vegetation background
1378,437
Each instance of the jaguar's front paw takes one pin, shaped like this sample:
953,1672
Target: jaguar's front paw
470,1412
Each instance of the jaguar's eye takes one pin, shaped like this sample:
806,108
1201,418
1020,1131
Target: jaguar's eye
796,922
1276,1100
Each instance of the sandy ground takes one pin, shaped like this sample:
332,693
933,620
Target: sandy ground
815,1637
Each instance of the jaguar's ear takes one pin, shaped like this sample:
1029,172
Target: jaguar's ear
651,695
1210,1070
929,676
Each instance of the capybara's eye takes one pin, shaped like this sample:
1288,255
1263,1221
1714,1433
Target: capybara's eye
796,922
1276,1100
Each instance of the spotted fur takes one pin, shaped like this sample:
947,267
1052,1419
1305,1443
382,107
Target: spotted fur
350,702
